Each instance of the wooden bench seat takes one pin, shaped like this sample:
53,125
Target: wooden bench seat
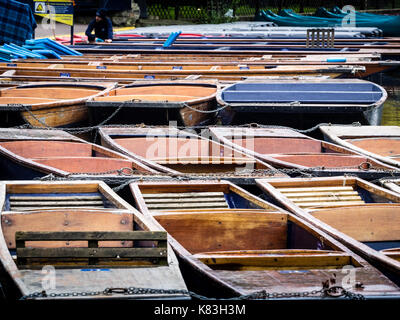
274,259
322,197
189,200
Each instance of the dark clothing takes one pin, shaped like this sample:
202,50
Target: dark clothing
16,21
102,29
143,8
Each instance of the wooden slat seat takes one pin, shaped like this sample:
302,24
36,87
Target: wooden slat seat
330,204
190,200
311,189
181,195
329,198
29,202
323,197
321,194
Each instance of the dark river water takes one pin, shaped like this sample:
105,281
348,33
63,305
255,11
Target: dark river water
391,109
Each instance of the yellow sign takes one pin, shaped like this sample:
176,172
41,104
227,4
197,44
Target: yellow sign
58,10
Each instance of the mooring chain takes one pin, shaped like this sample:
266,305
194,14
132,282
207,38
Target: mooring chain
145,176
334,292
91,128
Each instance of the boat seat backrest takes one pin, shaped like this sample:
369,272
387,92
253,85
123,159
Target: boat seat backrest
92,253
322,196
47,149
66,219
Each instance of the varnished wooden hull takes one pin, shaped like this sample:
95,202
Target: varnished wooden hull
285,148
70,209
157,103
31,153
371,67
239,258
365,217
178,152
378,142
127,76
49,105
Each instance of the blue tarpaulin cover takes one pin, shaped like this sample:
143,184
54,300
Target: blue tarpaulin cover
17,22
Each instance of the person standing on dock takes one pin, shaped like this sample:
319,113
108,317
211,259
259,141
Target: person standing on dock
102,27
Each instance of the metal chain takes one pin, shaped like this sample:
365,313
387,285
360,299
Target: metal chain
143,176
256,125
334,292
91,128
126,171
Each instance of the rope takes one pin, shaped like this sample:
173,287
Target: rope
206,111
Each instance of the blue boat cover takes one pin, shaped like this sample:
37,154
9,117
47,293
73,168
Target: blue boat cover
315,93
17,22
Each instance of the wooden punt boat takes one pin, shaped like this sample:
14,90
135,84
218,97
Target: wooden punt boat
49,104
31,153
371,67
173,151
189,103
286,148
156,72
337,101
379,142
231,243
253,44
168,58
65,230
361,215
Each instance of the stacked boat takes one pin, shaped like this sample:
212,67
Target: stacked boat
324,18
